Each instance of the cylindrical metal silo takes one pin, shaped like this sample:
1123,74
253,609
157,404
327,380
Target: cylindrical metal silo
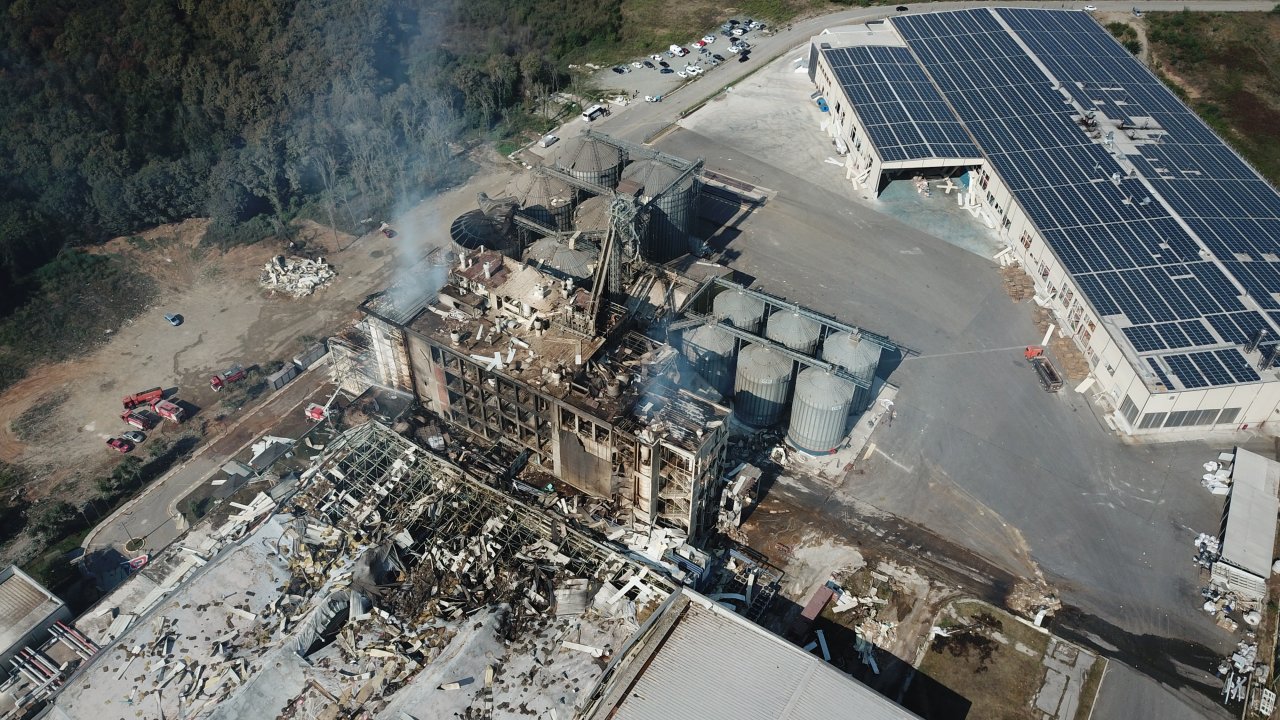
592,213
591,160
743,310
710,351
474,229
794,330
674,210
763,382
546,199
575,259
860,357
819,411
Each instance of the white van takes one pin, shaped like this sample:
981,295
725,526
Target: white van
593,112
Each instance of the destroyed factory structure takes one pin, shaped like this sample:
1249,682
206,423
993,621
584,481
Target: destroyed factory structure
605,349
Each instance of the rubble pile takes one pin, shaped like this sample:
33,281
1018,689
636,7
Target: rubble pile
296,276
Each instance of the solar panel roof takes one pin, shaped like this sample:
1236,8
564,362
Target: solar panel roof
1167,232
905,117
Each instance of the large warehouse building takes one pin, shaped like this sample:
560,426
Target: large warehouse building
1152,241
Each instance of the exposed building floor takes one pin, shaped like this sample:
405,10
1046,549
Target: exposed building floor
978,452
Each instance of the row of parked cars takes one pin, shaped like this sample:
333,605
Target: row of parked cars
734,30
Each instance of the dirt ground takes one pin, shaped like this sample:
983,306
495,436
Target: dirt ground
228,319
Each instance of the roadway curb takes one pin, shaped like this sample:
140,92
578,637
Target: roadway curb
146,492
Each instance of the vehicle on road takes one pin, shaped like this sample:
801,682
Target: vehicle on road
548,140
173,319
653,98
1137,12
1090,8
901,8
134,437
666,71
593,112
120,445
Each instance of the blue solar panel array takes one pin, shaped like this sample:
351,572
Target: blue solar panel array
1123,242
905,117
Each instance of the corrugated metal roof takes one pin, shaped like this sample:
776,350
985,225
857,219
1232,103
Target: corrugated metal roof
1250,533
23,606
717,665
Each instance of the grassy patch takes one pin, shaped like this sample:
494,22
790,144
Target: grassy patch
39,419
1127,35
1089,692
983,660
1227,67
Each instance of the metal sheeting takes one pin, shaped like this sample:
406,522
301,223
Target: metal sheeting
860,357
674,212
591,160
743,310
717,666
474,229
819,411
592,213
577,260
710,350
1250,532
544,198
763,383
23,608
793,330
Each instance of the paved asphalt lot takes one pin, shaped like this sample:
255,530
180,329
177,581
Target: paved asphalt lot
978,452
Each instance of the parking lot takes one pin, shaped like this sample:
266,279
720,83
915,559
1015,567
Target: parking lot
978,452
665,69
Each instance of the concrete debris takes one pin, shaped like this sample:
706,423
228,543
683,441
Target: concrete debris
296,276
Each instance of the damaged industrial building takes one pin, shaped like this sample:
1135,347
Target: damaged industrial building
394,584
576,321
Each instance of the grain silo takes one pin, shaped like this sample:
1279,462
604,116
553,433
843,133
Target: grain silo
546,199
794,330
591,160
566,259
744,311
674,210
819,411
860,357
593,213
763,382
710,351
474,229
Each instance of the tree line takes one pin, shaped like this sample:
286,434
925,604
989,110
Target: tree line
122,114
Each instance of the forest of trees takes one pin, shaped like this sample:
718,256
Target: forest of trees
122,114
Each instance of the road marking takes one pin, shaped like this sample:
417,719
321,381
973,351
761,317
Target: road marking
900,466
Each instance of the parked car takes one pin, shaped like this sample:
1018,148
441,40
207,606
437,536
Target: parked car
708,39
134,437
619,69
713,61
902,8
648,64
699,44
653,98
744,45
717,57
1090,8
744,57
664,64
1137,12
548,140
666,71
655,57
119,445
682,74
739,31
173,319
637,64
735,49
